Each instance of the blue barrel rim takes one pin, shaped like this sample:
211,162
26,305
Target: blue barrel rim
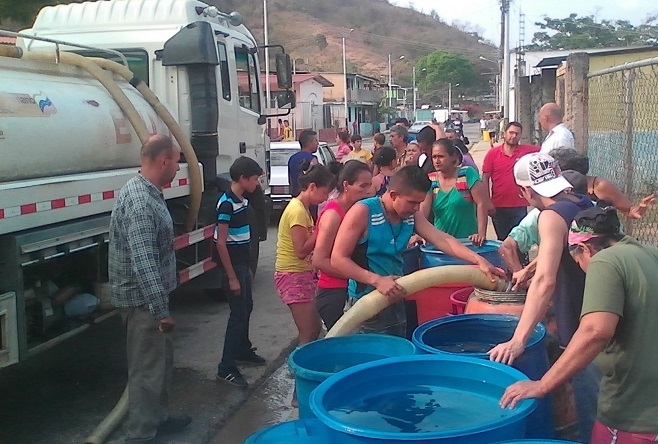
318,376
493,243
264,433
538,441
538,333
525,407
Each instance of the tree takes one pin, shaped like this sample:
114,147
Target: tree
25,11
575,32
321,41
436,70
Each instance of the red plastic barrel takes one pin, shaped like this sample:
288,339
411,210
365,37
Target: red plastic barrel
434,302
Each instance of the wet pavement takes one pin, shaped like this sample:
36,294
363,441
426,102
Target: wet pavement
62,394
268,406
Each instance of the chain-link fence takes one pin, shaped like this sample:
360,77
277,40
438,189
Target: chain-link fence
623,136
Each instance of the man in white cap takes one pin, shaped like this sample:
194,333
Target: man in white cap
558,278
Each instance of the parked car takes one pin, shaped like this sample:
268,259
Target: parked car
419,125
280,153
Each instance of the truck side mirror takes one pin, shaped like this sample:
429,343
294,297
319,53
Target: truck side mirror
283,71
286,100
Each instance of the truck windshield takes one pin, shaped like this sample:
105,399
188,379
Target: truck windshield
281,157
137,60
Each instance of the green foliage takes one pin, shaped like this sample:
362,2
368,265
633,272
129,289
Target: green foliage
576,32
384,109
321,41
24,11
436,70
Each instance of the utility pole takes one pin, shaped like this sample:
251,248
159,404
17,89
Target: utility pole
505,55
268,93
390,81
345,82
414,86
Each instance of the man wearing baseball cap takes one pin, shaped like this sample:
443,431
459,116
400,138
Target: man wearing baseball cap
618,319
558,278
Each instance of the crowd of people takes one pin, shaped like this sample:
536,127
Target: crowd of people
343,234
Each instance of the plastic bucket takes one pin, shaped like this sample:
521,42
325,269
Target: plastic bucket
422,399
316,361
459,298
473,335
302,431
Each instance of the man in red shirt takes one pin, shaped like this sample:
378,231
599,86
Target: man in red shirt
509,206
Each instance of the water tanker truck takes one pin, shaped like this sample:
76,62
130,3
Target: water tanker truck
79,93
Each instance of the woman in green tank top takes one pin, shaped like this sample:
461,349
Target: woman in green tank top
458,200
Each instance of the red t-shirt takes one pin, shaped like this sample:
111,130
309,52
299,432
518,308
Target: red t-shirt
327,280
500,166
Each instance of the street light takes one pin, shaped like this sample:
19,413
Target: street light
450,96
497,80
345,80
415,91
390,81
488,60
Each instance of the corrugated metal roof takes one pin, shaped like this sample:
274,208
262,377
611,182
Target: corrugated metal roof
7,40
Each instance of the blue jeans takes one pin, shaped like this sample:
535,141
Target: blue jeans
585,386
236,342
506,219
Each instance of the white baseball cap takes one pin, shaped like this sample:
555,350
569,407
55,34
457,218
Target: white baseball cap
542,173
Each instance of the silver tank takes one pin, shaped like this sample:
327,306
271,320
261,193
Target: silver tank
57,120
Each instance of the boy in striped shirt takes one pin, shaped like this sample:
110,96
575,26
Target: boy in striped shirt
232,238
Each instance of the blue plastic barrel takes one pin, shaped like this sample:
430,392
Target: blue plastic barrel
411,260
302,431
316,361
431,257
537,441
474,334
422,399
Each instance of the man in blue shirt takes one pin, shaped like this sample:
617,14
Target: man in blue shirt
308,141
370,241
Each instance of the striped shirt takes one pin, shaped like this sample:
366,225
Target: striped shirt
141,257
233,211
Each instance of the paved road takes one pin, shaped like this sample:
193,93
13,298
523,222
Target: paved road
59,396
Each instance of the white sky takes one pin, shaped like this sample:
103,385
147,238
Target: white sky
486,13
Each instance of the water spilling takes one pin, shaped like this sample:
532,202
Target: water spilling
423,408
